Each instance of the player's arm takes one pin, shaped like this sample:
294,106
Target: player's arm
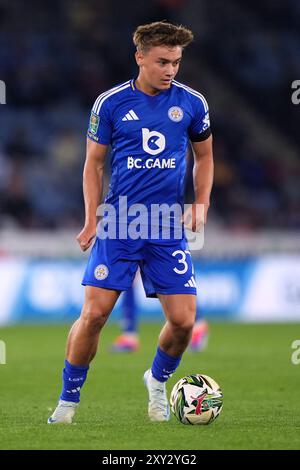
203,179
92,190
203,171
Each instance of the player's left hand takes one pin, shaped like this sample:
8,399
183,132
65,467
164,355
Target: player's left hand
195,216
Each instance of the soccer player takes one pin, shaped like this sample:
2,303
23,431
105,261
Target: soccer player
148,122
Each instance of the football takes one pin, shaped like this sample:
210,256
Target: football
196,399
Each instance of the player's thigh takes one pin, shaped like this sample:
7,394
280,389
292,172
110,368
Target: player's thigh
99,302
179,309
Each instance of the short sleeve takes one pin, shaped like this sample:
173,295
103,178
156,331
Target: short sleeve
100,125
199,128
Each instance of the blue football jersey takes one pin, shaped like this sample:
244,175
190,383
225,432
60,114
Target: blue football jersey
149,136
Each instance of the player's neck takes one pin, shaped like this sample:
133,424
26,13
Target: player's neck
145,88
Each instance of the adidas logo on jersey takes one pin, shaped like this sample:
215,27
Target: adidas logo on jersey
130,116
191,282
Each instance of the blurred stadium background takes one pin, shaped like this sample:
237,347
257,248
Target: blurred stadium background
56,57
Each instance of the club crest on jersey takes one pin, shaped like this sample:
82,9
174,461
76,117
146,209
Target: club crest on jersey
94,123
175,114
101,272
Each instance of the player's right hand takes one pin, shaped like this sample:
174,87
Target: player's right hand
86,237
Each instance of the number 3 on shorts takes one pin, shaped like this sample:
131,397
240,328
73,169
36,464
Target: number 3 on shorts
182,261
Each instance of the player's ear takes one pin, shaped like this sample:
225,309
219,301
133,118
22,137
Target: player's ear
139,56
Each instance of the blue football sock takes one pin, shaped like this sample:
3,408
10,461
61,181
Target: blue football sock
73,380
164,365
129,312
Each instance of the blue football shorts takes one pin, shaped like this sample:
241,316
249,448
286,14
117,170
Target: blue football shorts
166,268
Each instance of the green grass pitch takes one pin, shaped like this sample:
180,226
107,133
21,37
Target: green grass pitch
252,364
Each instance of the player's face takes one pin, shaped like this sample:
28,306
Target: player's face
158,66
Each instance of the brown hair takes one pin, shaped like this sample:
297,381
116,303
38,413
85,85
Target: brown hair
161,33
